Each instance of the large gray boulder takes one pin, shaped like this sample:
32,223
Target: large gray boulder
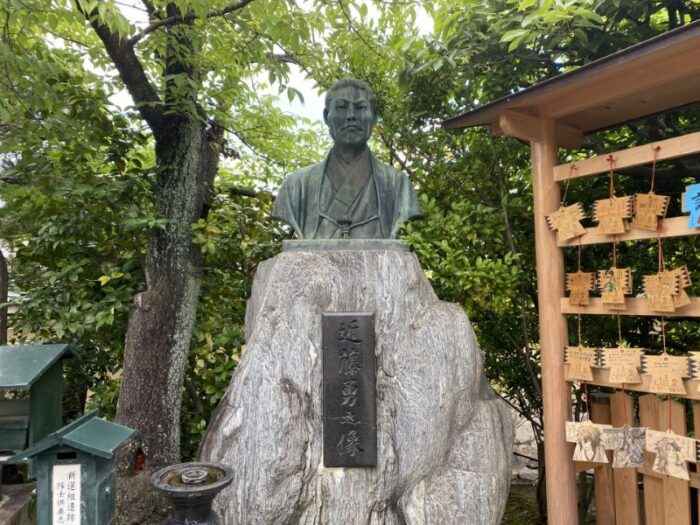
444,437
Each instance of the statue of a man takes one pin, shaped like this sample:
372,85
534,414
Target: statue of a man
350,194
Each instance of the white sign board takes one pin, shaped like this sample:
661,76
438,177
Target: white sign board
65,486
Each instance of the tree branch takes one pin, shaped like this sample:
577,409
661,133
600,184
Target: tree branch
190,17
132,74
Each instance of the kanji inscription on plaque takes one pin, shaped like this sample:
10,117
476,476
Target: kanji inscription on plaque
65,486
648,208
660,289
623,363
667,373
579,284
567,221
691,204
580,359
349,390
612,214
614,284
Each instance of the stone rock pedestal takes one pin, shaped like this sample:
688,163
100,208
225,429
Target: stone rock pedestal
444,438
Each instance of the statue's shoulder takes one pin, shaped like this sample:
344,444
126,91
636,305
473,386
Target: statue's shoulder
302,175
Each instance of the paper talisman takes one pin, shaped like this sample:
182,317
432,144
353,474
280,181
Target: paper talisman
612,214
627,444
614,284
580,360
648,209
566,221
682,298
589,439
667,373
623,363
579,284
690,203
660,289
672,451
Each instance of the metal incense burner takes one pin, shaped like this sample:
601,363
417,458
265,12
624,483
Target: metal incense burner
191,487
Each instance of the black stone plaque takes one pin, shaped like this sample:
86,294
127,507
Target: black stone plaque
349,391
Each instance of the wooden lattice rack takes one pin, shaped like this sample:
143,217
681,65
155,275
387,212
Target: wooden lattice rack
652,77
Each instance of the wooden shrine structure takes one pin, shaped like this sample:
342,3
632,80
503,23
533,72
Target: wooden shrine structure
652,77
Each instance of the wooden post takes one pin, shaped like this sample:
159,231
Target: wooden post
624,479
653,486
603,475
556,394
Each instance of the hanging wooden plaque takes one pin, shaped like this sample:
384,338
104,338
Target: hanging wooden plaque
579,284
667,373
589,439
694,366
660,289
614,284
612,214
567,221
627,444
672,451
580,359
684,281
648,208
623,363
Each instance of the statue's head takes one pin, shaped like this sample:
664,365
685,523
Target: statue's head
350,113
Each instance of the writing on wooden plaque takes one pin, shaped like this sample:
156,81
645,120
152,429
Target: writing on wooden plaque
684,281
672,451
614,284
648,209
667,373
627,444
623,363
589,439
580,359
691,204
694,366
660,289
580,284
567,221
612,214
349,390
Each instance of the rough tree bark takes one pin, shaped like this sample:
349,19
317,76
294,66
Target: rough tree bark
162,317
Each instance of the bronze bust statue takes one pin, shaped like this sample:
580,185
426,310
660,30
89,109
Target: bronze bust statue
350,194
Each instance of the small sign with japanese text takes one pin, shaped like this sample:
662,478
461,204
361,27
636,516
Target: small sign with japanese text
65,485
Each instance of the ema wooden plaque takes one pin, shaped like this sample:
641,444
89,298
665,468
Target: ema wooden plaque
612,214
580,359
667,373
648,209
567,222
623,363
672,452
614,284
580,284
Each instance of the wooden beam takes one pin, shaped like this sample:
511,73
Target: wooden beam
633,306
556,395
637,156
526,127
670,227
601,376
613,85
653,485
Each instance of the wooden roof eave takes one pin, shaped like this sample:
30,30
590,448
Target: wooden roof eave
656,75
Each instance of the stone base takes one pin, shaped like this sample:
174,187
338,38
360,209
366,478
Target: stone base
444,439
14,504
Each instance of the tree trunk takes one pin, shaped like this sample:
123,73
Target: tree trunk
162,317
4,289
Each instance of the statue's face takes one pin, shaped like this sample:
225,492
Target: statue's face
349,117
